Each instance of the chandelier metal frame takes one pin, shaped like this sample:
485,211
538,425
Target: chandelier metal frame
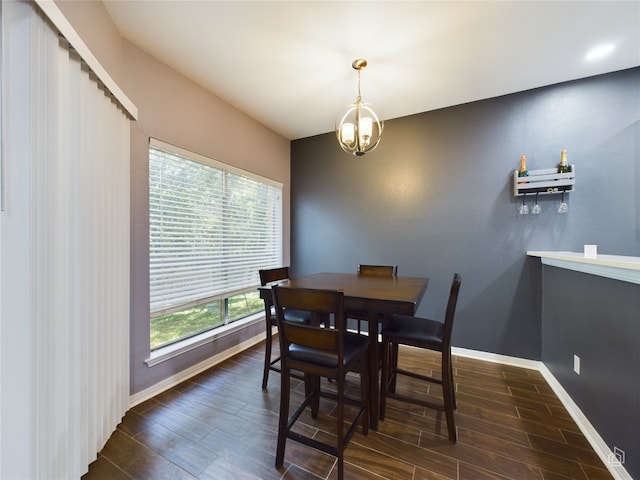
359,130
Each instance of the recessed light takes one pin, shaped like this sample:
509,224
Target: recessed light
599,52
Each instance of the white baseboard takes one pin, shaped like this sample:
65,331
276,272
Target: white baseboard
186,374
609,458
497,358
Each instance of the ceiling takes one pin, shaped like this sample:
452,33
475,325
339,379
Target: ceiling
287,64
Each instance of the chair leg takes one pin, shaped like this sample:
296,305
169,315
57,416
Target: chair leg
312,385
267,357
453,384
365,378
384,380
340,407
394,365
448,395
285,391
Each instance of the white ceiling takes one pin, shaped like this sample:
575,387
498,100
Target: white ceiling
288,63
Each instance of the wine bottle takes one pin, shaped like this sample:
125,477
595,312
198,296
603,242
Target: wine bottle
563,166
523,172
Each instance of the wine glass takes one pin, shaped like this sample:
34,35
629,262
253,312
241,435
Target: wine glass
563,208
523,210
536,208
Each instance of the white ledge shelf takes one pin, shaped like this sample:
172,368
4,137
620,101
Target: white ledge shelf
617,267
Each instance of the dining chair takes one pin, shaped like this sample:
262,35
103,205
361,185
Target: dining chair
371,271
319,352
427,334
269,276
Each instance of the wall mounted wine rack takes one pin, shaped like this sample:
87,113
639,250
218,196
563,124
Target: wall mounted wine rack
544,182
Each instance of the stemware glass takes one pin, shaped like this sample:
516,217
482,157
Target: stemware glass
536,208
523,210
563,208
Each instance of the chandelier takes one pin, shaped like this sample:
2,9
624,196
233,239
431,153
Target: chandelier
359,129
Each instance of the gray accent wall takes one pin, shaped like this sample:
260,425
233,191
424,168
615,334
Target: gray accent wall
597,319
436,198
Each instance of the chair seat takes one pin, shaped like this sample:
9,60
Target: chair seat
299,316
292,315
415,331
353,345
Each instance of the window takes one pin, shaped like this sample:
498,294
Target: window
212,227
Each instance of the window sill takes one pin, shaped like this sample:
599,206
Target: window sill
170,351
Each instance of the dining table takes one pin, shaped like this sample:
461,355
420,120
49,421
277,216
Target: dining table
379,297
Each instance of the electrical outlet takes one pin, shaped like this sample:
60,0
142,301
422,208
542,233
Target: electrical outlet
576,364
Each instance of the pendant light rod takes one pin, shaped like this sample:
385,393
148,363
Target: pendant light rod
358,65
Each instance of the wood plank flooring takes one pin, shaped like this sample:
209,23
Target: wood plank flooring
221,425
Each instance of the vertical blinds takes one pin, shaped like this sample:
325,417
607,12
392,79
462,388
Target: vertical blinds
64,250
211,229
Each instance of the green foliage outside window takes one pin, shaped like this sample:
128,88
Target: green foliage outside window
176,326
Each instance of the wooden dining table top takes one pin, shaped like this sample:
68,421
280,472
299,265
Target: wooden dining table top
400,295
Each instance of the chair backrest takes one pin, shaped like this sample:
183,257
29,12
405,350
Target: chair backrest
268,276
318,302
273,275
378,270
451,309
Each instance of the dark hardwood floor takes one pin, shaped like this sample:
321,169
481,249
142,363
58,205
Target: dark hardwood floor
221,425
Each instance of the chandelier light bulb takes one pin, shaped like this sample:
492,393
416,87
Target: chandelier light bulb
348,133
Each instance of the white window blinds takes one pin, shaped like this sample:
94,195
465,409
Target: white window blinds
211,228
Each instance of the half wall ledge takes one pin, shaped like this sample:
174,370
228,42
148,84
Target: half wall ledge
617,267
